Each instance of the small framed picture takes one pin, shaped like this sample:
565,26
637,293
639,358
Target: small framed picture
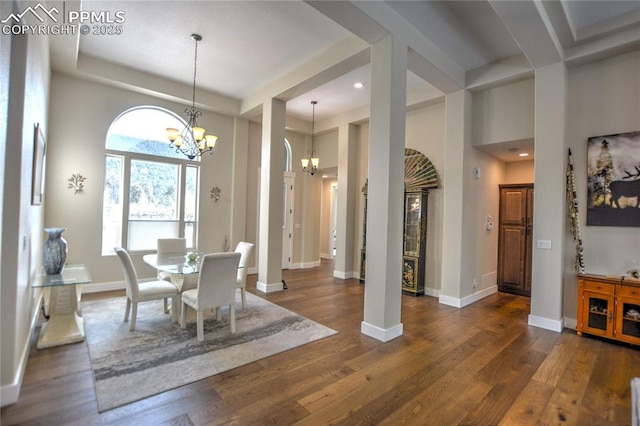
39,156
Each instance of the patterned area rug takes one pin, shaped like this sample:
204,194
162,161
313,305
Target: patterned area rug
159,355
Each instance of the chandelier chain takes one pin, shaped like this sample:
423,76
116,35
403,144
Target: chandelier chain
310,164
192,140
195,70
313,123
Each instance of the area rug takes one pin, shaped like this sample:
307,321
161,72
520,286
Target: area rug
159,355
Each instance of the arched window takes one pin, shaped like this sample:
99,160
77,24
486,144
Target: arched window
150,191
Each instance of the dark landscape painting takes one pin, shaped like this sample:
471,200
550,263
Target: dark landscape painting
613,180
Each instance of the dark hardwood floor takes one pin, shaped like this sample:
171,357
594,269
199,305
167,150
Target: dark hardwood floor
481,365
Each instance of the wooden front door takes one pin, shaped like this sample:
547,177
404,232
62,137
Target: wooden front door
515,239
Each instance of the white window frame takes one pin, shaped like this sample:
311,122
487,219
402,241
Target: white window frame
126,158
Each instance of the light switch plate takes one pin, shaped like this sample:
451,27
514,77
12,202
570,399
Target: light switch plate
544,244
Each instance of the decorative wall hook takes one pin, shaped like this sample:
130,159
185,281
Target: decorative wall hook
215,193
76,182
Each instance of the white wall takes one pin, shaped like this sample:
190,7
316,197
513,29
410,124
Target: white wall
81,113
503,113
307,197
326,226
519,172
25,62
424,133
604,98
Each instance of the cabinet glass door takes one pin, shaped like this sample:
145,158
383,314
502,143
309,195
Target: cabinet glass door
600,311
412,225
630,318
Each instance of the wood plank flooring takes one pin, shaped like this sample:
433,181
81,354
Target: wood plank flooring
481,365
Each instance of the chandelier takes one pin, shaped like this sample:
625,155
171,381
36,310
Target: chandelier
310,164
192,141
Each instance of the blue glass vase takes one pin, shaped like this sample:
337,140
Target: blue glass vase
54,251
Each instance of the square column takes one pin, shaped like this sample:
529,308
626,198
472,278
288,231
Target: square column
239,181
456,269
383,290
271,181
549,197
347,195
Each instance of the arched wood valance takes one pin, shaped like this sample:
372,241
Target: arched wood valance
419,172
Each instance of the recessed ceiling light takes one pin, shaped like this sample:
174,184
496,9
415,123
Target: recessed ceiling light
358,85
524,154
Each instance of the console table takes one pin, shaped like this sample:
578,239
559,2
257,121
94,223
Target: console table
65,324
609,306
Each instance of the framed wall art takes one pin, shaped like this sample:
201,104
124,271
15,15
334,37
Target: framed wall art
613,180
39,155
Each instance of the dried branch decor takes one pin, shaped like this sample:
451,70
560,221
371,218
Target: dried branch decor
76,182
215,193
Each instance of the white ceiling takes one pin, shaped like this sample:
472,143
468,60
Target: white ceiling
250,47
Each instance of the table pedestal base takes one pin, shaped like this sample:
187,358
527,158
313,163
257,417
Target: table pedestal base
61,329
65,325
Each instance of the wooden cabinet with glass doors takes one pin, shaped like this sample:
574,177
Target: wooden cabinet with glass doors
609,307
415,242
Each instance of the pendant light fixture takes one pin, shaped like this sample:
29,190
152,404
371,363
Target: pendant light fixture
310,164
192,140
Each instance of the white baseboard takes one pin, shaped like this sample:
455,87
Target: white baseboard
546,323
269,288
325,256
345,275
379,333
431,292
467,300
10,393
571,323
305,265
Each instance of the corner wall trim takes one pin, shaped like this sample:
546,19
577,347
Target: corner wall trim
379,333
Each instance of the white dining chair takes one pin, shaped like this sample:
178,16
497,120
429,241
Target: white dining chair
143,292
216,288
245,249
168,246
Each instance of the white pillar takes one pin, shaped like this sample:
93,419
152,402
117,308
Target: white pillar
455,271
239,182
549,196
383,289
347,195
271,181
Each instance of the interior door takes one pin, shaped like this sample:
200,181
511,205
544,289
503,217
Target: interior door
287,219
515,239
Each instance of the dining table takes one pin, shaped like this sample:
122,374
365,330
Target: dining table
184,270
